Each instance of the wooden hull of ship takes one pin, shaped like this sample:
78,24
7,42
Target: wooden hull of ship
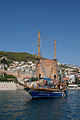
47,94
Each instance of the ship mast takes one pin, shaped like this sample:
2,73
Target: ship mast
38,54
55,68
54,49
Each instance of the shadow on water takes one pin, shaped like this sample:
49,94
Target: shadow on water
17,105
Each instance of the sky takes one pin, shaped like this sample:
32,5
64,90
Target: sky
20,21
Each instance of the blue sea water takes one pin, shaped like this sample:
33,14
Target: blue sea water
17,105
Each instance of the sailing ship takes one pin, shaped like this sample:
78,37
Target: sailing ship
48,84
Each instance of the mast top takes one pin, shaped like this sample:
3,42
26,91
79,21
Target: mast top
39,44
54,49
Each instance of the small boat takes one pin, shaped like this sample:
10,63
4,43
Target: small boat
73,87
52,85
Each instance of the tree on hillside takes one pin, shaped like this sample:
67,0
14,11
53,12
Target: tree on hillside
4,61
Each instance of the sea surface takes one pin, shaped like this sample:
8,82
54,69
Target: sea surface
18,105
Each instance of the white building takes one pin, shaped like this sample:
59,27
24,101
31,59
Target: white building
72,79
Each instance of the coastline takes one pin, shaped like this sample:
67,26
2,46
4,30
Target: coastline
10,86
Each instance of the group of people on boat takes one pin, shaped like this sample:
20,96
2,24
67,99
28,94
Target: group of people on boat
48,84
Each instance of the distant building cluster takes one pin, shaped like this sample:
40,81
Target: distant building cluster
27,69
69,72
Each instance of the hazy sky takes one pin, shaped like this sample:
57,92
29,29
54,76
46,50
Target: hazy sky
20,21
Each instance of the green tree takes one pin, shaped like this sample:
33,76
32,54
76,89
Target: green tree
77,81
4,61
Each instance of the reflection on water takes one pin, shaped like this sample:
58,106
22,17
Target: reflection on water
17,105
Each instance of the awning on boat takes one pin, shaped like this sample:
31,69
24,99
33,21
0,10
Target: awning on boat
35,79
47,79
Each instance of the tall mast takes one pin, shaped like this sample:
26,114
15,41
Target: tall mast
39,44
54,49
38,54
55,68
